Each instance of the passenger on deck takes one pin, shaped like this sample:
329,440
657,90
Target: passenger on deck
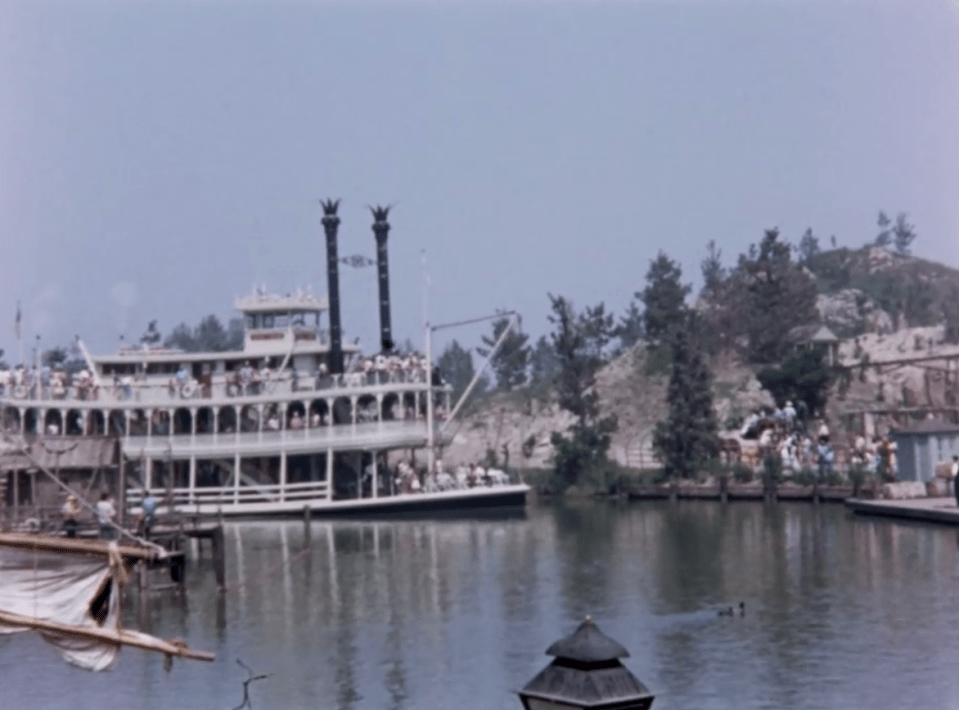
462,476
296,421
105,513
246,376
126,387
496,477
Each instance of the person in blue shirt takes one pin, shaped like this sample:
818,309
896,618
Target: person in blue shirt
148,506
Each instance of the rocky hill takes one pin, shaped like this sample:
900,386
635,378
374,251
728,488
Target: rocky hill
885,307
873,290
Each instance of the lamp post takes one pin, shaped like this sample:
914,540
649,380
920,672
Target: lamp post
586,673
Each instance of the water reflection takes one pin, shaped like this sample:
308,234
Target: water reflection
840,611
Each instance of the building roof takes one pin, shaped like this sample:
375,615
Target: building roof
587,645
813,333
61,452
929,426
587,673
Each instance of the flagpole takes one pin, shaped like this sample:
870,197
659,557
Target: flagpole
430,439
16,332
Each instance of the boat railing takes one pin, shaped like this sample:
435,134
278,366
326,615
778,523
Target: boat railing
218,387
232,495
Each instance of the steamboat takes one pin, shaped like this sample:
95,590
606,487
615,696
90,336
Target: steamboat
295,419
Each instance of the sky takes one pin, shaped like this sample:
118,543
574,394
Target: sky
158,159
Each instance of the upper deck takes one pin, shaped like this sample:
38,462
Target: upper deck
283,359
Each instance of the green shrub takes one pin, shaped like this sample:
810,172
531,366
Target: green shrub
772,472
742,473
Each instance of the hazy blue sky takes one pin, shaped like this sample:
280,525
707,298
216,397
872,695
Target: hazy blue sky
158,158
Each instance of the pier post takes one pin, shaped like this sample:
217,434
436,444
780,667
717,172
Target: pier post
673,492
306,526
723,489
143,582
219,551
122,491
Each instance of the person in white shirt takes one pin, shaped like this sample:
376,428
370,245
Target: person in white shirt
105,513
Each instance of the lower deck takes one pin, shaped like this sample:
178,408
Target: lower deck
324,481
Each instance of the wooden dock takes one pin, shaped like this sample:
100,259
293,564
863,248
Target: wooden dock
740,491
927,510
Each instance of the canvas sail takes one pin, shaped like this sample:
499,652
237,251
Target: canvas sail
74,601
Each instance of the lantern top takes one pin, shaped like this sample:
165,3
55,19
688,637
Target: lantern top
587,645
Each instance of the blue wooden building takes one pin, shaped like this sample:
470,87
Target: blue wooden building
919,448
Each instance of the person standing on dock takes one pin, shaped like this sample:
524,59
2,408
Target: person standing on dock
955,478
105,514
71,509
149,507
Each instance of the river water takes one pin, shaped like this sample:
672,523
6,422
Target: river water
841,612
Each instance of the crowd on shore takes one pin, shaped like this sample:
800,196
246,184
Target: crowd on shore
782,433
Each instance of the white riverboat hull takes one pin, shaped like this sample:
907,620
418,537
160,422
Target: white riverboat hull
500,496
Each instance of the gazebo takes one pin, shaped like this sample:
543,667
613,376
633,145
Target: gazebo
815,335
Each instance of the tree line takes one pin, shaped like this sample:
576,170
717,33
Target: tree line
748,308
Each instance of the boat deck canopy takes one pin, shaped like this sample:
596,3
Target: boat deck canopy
64,452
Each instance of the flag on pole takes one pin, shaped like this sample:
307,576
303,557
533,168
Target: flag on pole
16,323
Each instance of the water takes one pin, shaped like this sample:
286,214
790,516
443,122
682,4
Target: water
841,612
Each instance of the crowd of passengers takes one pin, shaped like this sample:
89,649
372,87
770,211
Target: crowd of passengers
381,369
55,383
409,478
46,383
782,432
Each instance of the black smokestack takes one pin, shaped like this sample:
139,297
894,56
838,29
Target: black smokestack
381,228
330,224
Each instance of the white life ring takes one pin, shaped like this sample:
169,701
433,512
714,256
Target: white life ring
20,392
233,390
188,390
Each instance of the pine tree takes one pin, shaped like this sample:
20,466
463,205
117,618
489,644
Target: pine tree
884,238
779,295
808,246
903,234
712,268
665,300
578,341
687,439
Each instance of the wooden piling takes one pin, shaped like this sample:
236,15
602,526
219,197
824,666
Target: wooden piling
219,565
121,492
143,579
306,526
